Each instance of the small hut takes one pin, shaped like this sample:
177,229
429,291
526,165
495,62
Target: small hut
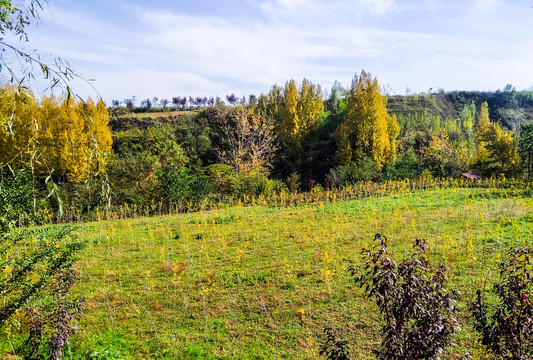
471,176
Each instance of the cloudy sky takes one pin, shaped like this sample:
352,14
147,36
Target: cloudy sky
169,48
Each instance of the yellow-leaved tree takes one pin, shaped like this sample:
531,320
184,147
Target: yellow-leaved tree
496,149
368,130
53,136
298,112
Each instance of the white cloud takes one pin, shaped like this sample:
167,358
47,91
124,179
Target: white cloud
379,7
148,52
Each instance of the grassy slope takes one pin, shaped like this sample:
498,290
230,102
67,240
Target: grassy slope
261,283
154,115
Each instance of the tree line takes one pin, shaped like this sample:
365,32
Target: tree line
292,138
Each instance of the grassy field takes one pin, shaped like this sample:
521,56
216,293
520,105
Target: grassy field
155,114
262,283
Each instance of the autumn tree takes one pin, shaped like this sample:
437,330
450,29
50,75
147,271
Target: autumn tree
249,141
448,158
296,110
56,136
372,131
496,150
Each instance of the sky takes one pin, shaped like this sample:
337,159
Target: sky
164,48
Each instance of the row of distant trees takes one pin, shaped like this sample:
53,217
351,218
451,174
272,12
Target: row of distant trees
182,101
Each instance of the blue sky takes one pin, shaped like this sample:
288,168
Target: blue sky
173,48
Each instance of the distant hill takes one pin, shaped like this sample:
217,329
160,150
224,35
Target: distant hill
509,108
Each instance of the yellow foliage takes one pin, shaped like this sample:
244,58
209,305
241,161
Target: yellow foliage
59,136
301,109
373,130
495,145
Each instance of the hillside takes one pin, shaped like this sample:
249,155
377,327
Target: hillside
262,283
509,108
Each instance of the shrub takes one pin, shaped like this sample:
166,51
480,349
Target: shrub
406,167
293,182
35,281
251,184
417,309
16,197
177,188
362,170
222,179
334,347
508,331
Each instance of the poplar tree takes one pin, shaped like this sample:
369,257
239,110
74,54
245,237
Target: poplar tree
371,130
298,112
496,148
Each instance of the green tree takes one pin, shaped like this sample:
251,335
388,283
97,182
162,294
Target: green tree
525,146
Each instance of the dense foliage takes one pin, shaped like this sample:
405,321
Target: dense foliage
507,330
64,138
418,311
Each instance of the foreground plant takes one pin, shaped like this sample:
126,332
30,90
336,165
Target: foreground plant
51,325
418,310
334,347
35,281
508,331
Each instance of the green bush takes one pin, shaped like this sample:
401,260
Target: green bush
406,167
222,179
251,184
182,188
362,170
16,197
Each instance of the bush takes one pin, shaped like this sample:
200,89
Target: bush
293,182
16,197
251,184
508,331
417,309
406,167
362,170
35,280
222,179
182,188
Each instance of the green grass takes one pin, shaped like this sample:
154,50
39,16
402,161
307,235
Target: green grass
154,115
262,283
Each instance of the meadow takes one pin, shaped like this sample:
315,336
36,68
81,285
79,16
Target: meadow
262,282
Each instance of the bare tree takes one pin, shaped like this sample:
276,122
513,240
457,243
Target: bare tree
183,101
164,103
252,100
249,141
